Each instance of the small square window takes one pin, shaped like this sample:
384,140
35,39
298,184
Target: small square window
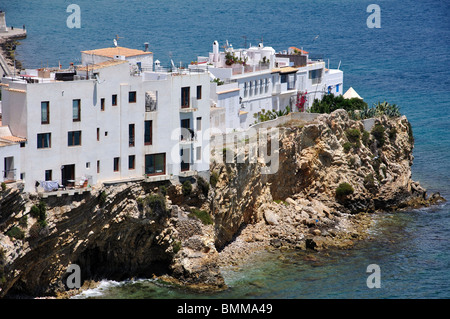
132,97
48,175
116,164
76,113
114,100
45,112
131,161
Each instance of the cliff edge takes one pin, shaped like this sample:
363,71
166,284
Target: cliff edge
332,174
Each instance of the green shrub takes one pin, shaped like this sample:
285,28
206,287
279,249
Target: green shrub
347,147
213,179
156,203
365,138
102,198
353,135
203,185
204,217
330,103
163,190
392,133
16,232
39,212
23,221
187,188
378,133
34,211
344,189
176,246
3,186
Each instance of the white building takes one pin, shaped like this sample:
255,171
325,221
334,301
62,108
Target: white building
248,81
106,122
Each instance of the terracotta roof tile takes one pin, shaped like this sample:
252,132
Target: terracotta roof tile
115,51
14,139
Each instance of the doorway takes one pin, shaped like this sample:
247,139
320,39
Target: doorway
68,175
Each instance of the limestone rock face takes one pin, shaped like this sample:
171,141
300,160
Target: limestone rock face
125,231
117,239
313,162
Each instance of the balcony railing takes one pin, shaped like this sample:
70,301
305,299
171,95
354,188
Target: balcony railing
9,175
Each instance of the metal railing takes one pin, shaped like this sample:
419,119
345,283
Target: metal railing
9,175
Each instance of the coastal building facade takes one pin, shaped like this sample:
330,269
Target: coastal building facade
257,79
106,122
120,117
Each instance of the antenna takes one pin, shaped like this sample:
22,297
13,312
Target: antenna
116,39
245,41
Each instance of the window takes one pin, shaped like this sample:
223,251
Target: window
102,104
131,161
48,175
148,132
245,89
88,165
98,134
114,99
250,88
116,164
185,94
131,135
22,144
98,167
74,138
337,88
45,112
199,92
44,140
199,153
132,97
199,123
151,101
155,164
76,113
315,76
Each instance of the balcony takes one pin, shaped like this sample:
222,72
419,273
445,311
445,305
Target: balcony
188,106
9,176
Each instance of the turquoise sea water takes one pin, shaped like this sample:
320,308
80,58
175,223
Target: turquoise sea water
405,62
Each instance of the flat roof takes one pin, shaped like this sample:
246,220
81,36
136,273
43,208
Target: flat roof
288,69
115,51
101,65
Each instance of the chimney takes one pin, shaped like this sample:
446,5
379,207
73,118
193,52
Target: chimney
146,46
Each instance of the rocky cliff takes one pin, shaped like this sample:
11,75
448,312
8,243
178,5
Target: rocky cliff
332,174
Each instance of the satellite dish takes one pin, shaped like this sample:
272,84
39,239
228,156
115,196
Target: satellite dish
115,43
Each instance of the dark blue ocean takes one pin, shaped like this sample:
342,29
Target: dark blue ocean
405,62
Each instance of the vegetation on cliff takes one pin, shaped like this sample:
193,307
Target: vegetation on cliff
332,173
